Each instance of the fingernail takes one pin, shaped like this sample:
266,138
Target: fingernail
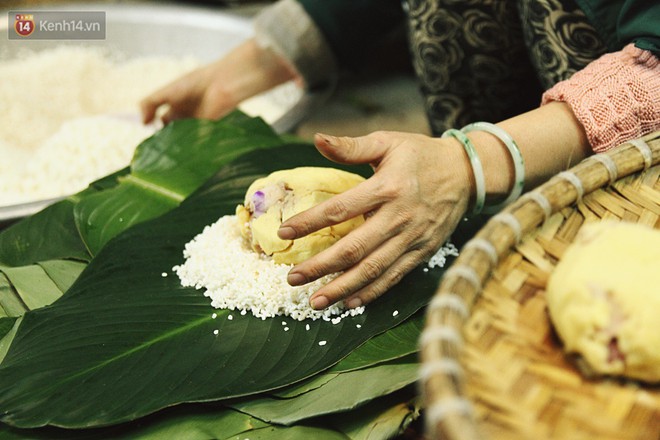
320,302
296,279
286,233
353,303
330,140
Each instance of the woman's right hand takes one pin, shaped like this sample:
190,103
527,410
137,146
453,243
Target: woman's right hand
417,195
213,90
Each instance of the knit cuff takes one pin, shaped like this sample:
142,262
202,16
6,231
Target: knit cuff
286,28
616,97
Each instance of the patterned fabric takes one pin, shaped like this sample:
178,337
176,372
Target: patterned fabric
475,58
616,97
559,39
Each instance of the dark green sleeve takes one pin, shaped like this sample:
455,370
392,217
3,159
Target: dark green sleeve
354,27
620,22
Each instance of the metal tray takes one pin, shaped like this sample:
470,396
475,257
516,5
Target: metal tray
169,29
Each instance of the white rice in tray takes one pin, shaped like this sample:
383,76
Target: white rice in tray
81,151
235,277
70,116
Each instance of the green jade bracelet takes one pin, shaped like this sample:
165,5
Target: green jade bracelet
477,169
516,156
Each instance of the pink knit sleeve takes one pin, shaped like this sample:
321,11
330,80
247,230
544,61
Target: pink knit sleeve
616,97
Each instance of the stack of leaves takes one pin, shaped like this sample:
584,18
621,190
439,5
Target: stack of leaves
97,343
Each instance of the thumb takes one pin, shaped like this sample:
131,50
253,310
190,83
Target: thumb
352,150
148,107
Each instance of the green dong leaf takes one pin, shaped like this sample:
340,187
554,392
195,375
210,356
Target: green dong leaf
167,168
125,341
341,393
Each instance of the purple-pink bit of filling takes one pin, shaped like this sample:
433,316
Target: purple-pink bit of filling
259,202
614,352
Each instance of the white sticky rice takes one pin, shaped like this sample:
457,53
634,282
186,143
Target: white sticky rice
440,257
237,278
81,151
70,115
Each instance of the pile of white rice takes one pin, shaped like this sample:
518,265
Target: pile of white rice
235,277
70,115
81,151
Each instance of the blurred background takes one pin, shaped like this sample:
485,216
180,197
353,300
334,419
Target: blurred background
70,107
363,102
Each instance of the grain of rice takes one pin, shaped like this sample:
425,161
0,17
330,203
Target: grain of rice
396,312
322,343
439,259
215,332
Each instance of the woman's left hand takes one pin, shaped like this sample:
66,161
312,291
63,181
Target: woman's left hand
419,192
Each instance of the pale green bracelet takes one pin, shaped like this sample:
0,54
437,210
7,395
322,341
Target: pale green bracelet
477,169
516,156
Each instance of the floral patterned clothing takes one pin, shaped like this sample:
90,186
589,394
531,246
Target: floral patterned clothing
487,60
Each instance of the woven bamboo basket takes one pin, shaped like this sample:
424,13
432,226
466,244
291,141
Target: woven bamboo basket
492,366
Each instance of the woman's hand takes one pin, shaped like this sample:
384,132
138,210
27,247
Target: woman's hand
217,88
416,197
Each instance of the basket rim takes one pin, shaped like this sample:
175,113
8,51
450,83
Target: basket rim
449,414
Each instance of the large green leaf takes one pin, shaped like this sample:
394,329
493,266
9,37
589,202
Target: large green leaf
380,419
125,341
166,168
180,157
185,152
400,341
103,215
29,287
63,272
51,233
6,324
393,344
10,302
387,417
300,388
290,433
33,285
189,422
37,285
331,397
48,235
8,336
